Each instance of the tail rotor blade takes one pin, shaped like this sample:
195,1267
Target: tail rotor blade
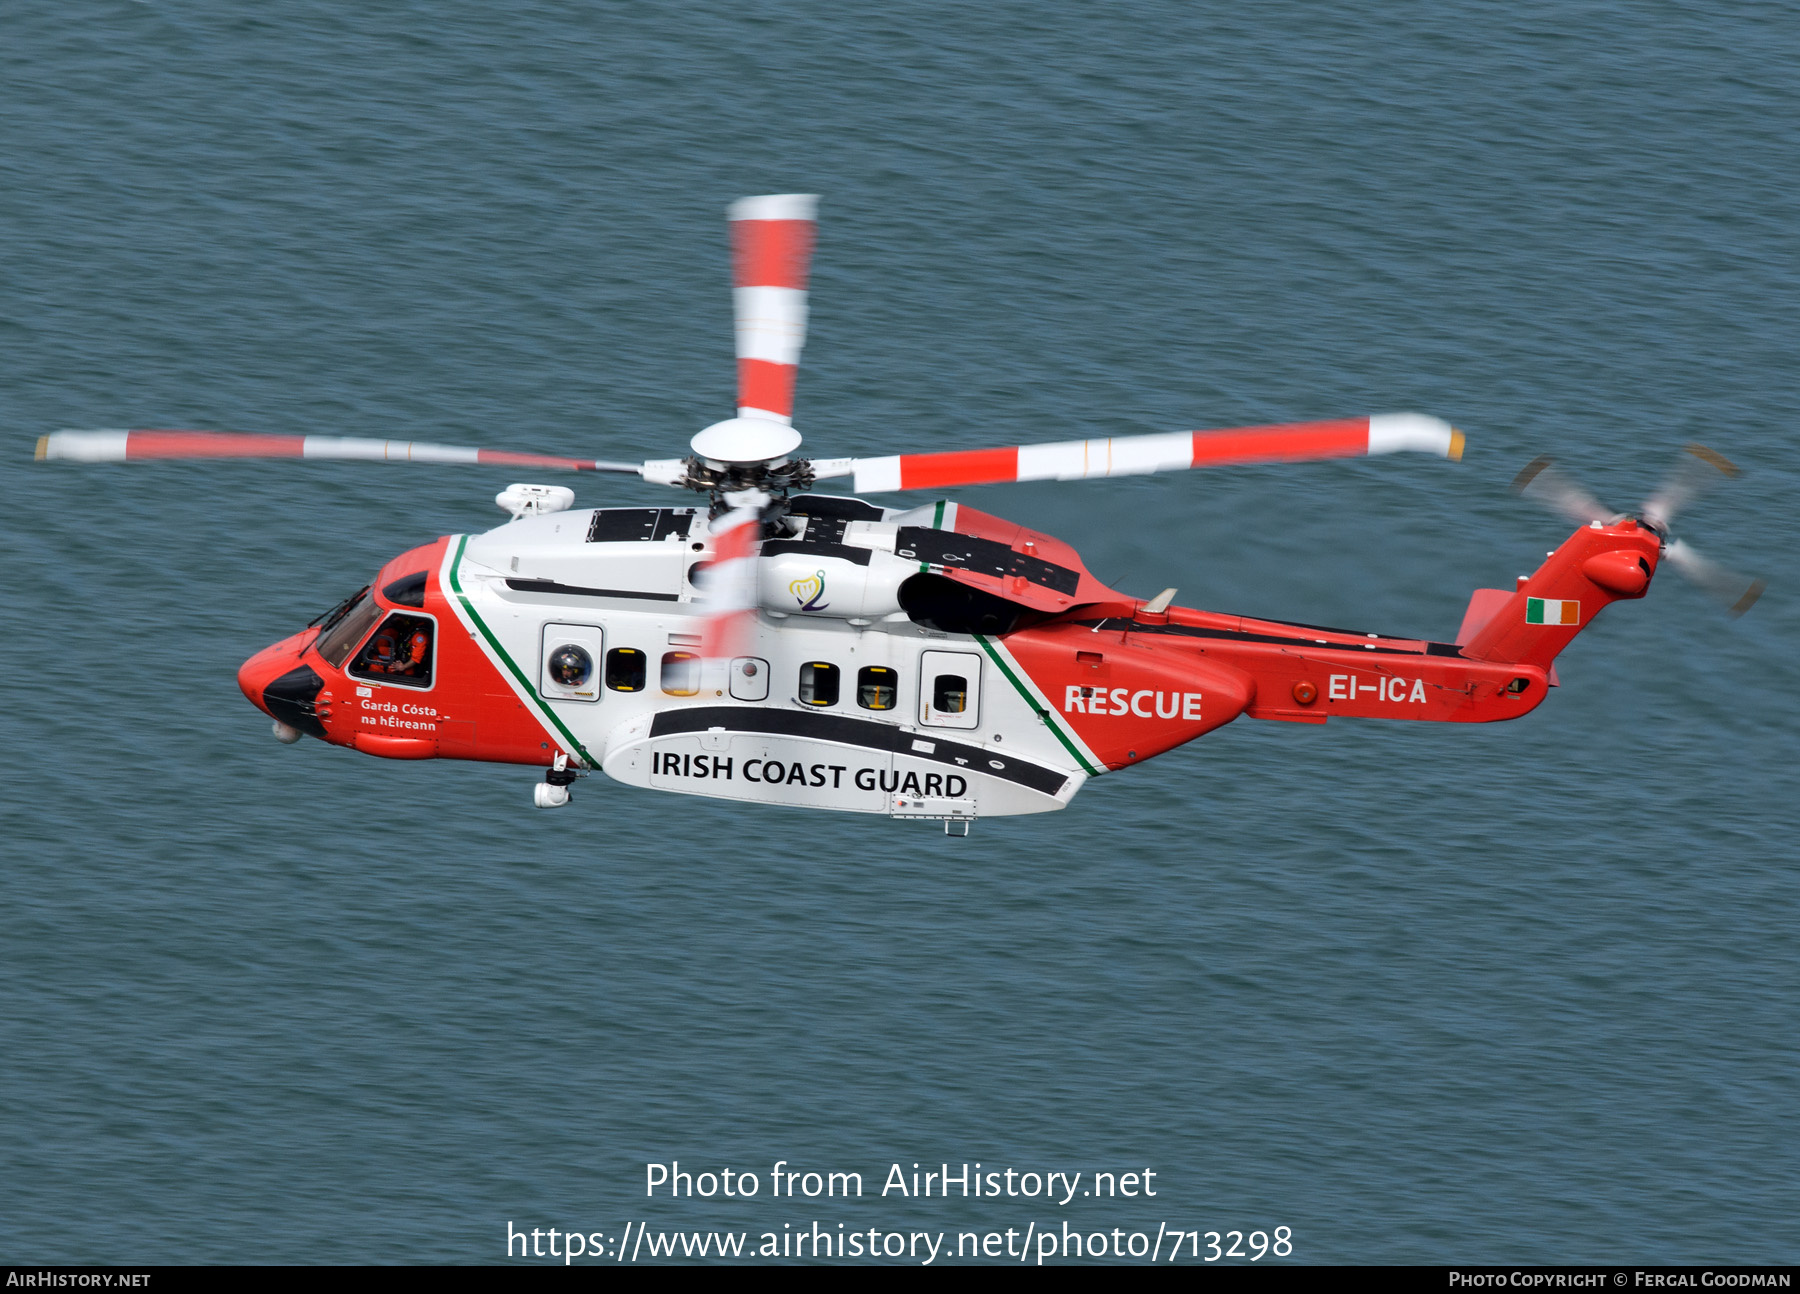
1545,483
771,248
1698,470
1731,590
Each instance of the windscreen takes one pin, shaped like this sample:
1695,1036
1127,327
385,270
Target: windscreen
325,619
337,640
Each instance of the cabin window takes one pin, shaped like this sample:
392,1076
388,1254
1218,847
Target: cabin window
398,652
627,669
569,668
681,673
819,683
877,687
949,689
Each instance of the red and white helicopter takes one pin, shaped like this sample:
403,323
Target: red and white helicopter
931,662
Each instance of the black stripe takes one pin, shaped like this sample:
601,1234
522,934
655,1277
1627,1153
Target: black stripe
982,556
845,552
1326,629
613,525
574,590
832,505
1116,625
1431,649
857,732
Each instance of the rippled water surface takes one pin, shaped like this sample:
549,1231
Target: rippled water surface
1420,993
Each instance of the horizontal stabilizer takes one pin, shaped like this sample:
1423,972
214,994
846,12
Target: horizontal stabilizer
1483,603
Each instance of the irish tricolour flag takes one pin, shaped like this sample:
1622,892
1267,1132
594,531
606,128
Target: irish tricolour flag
1552,611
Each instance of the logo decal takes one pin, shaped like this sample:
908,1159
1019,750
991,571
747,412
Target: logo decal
1552,611
808,591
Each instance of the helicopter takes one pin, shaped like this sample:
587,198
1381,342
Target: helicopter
935,662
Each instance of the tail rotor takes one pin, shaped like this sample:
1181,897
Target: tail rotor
1548,485
1726,587
1695,472
1698,470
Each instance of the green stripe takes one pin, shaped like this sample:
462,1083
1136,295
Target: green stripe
526,683
1047,716
937,523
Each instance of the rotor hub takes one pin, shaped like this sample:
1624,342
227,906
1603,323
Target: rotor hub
743,442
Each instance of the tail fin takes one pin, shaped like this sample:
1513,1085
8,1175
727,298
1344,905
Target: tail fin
1597,565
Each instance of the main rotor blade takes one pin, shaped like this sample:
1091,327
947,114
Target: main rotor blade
1134,455
1698,470
1542,481
131,446
730,588
1736,593
771,246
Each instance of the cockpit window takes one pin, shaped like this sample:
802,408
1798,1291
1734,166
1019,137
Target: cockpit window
407,591
399,652
344,631
325,619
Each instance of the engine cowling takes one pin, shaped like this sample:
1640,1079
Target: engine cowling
813,584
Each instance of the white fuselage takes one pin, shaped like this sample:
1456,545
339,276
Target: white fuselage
923,723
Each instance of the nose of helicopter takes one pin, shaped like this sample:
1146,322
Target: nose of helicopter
271,665
264,668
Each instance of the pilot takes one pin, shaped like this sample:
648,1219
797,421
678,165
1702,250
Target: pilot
417,647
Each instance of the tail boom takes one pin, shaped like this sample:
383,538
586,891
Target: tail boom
1133,682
